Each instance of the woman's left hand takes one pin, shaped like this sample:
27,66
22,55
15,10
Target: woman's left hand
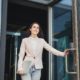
66,52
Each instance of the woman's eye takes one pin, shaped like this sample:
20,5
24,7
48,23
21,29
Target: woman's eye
36,27
33,26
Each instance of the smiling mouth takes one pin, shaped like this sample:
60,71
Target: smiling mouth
35,31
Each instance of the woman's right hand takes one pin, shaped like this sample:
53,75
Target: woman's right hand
21,72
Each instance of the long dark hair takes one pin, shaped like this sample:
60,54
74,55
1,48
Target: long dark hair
40,34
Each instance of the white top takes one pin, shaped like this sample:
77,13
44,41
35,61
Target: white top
34,44
33,47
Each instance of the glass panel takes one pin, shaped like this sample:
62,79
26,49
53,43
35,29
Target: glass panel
66,2
13,41
62,39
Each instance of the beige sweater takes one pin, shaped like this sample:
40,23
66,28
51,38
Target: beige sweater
33,47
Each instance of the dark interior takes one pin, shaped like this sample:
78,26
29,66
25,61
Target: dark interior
20,17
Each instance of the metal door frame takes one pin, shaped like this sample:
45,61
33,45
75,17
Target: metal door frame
50,27
75,32
3,23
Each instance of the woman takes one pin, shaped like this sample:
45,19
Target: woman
33,46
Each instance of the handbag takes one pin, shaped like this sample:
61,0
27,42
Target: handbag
26,66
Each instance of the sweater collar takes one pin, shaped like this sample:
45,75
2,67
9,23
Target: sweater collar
33,37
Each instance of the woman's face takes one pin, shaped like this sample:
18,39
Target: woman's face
34,29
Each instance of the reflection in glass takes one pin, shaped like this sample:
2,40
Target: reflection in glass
63,33
42,1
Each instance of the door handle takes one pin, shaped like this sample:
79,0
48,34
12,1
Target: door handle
66,62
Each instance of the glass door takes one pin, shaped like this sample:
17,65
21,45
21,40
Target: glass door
62,35
13,40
